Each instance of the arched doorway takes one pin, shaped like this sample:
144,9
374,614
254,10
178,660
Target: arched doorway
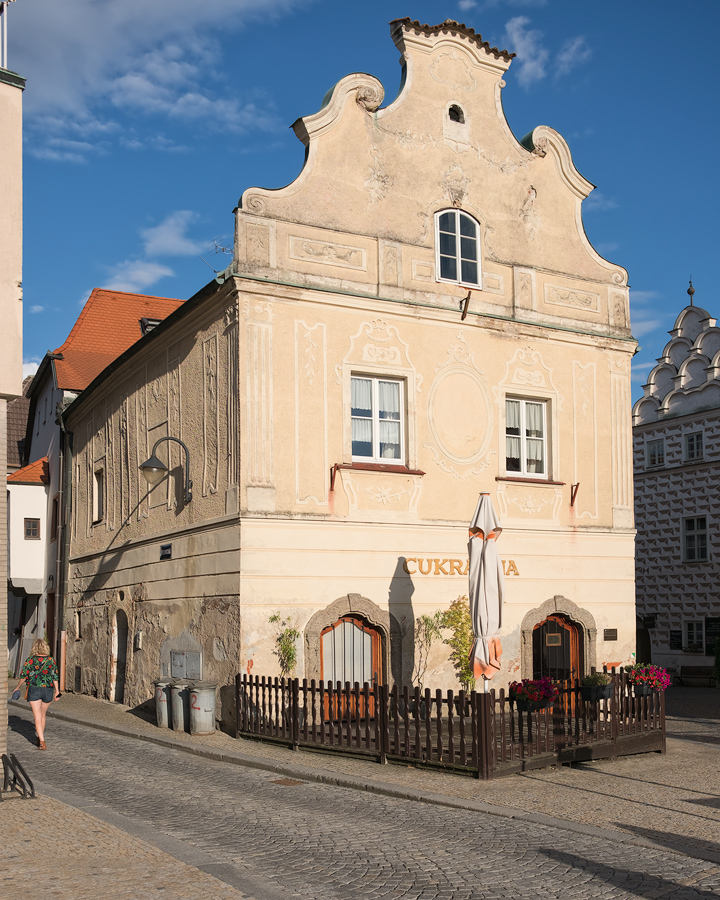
558,649
118,657
350,652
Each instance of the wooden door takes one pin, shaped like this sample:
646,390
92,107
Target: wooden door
557,649
350,651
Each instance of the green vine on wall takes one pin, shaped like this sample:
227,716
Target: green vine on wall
428,629
285,644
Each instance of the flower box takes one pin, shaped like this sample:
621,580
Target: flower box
596,692
644,690
524,705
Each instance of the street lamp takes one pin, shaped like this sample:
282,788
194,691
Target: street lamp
154,469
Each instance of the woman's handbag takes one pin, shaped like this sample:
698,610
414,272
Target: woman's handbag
15,694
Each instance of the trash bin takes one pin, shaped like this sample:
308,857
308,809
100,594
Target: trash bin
162,702
202,707
180,705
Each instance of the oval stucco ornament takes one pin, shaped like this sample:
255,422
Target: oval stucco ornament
460,415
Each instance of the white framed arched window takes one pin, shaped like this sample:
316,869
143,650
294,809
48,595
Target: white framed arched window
457,248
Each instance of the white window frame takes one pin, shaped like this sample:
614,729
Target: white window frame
376,458
695,438
696,626
476,285
98,496
524,473
648,453
693,533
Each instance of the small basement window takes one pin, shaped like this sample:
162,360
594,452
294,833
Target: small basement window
456,114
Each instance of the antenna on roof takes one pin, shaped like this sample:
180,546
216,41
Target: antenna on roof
691,291
3,33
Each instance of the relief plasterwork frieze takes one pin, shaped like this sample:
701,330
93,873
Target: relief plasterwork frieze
378,343
453,69
378,182
528,370
326,253
559,296
211,421
311,414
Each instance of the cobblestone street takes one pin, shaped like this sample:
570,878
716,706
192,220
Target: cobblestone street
130,818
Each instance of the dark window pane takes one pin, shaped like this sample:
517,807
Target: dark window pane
448,244
467,227
468,248
361,448
469,272
447,222
512,464
448,268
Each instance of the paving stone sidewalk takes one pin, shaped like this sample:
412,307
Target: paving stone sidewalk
670,801
51,849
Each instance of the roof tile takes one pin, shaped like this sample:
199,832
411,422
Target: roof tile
37,472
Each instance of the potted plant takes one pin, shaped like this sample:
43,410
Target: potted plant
595,687
647,679
533,693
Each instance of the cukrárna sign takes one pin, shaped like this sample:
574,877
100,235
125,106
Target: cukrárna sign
422,566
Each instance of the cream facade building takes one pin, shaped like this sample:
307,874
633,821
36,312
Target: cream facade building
417,318
11,89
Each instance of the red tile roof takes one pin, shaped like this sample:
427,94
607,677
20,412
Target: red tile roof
36,473
107,326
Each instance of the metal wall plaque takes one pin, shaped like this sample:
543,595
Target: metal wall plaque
186,664
675,642
649,621
610,634
553,640
165,551
712,633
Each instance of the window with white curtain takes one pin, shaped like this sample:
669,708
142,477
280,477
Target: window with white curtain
377,420
526,438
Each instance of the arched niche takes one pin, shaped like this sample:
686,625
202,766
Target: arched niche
557,604
645,410
708,342
677,350
693,372
385,622
691,322
661,380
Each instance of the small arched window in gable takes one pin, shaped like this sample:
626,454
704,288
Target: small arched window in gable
457,248
456,114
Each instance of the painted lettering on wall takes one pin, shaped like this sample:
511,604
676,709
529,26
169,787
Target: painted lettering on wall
415,565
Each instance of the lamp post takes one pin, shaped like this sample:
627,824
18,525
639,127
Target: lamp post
154,469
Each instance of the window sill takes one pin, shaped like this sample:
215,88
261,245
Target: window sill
528,480
371,467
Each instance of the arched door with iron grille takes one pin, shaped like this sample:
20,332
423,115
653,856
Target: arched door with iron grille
350,651
557,649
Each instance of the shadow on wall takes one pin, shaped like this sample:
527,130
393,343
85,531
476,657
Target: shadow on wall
402,645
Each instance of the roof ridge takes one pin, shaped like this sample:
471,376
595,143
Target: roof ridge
21,475
453,27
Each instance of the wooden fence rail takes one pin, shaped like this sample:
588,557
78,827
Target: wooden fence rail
483,734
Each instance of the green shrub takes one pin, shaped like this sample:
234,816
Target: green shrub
597,679
457,619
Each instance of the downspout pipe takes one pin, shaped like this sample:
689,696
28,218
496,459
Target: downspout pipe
64,518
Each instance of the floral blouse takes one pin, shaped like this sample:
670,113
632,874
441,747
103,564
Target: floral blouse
40,671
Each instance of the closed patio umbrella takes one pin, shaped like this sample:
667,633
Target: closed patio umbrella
486,586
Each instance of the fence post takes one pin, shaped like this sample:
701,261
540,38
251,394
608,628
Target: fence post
295,712
614,723
662,720
484,736
238,678
384,695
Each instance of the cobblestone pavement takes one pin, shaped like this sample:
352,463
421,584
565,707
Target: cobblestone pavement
269,838
79,857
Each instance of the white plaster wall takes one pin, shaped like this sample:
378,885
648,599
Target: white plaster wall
27,558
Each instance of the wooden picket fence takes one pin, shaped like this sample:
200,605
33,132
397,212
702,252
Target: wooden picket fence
482,734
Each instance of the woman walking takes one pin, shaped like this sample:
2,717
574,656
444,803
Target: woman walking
41,675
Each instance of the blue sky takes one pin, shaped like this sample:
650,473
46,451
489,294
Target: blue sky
145,121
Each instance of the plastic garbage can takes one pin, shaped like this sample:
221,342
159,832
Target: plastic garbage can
180,706
162,702
202,707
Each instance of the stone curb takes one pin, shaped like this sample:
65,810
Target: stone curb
374,787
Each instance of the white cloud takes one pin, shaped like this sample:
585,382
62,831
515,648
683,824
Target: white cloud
30,367
532,56
36,309
607,248
136,275
85,58
169,238
641,326
638,297
573,53
467,4
598,202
